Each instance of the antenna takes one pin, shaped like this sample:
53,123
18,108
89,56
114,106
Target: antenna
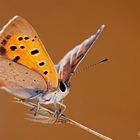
90,66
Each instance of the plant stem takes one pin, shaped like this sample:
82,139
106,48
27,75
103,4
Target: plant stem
89,130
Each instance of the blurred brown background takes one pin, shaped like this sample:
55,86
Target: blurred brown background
106,98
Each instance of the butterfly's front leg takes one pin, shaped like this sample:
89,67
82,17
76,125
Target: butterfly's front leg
61,110
55,108
58,110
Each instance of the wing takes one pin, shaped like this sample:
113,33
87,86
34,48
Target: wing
19,42
19,80
70,61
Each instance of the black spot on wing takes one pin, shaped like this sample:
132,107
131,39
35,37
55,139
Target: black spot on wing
26,38
20,38
46,72
16,58
9,64
13,48
33,52
22,47
4,42
41,63
8,37
2,50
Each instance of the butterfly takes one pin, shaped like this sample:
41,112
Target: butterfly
26,69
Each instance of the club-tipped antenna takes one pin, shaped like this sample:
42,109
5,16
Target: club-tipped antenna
89,66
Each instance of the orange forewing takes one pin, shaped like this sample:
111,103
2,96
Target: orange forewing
20,43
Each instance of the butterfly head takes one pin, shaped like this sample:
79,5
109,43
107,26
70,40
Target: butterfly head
56,95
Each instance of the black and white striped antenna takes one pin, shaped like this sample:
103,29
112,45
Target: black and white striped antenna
89,66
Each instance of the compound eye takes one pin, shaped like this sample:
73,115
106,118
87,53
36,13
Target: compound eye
62,86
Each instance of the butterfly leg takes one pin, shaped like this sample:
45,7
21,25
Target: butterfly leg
61,110
58,110
52,115
36,108
55,108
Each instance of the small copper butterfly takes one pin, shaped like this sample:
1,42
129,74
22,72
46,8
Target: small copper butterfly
26,69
